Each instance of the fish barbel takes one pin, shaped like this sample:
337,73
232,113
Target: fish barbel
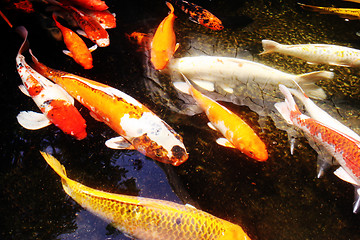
316,53
229,72
146,218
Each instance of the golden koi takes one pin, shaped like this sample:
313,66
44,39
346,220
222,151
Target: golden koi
345,149
316,53
139,128
146,218
164,43
238,133
349,13
77,47
55,104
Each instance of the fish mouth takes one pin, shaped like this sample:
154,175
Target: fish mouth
103,42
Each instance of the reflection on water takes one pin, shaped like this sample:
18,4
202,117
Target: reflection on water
278,199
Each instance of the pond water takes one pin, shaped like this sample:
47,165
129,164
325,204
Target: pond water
278,199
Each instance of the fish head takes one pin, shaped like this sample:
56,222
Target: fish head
257,151
103,42
215,24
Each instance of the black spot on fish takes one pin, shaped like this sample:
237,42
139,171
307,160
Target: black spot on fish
178,152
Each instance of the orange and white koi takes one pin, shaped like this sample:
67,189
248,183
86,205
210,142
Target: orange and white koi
199,15
163,45
345,149
138,127
97,5
77,47
105,18
349,13
55,104
238,133
146,218
316,53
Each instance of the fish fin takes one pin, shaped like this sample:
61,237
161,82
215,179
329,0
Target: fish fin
227,89
119,143
24,90
209,86
182,87
343,175
55,164
269,46
176,47
82,33
356,204
210,125
32,120
284,111
96,117
189,205
307,83
170,6
323,164
93,48
224,142
68,53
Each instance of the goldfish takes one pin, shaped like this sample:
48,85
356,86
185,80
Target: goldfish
345,149
164,44
97,5
90,26
317,53
238,133
146,218
105,18
199,15
228,72
349,13
77,47
138,127
55,104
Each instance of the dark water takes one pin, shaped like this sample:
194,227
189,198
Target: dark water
278,199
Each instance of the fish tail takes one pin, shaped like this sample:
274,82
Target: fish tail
315,8
55,165
171,7
307,82
21,30
289,107
269,46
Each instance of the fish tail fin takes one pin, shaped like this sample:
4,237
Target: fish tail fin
269,46
21,30
307,83
313,8
55,165
171,7
287,107
183,86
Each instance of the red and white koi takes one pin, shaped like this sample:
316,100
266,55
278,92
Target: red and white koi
163,45
138,127
77,47
238,133
55,104
345,149
316,53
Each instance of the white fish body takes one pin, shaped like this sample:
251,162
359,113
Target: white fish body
230,72
317,53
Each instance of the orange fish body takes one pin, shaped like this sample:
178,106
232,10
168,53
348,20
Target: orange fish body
77,47
138,127
164,44
105,18
97,5
238,133
52,100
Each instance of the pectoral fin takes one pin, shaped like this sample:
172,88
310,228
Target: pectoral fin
343,175
119,143
82,33
93,48
24,90
210,125
224,142
68,53
32,120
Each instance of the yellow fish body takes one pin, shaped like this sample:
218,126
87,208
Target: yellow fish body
349,13
145,218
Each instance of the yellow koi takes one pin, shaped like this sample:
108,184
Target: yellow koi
145,218
349,13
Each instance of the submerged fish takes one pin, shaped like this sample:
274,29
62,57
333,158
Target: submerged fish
317,53
164,44
89,4
138,127
77,47
105,18
345,149
55,104
238,133
199,15
146,218
229,72
349,13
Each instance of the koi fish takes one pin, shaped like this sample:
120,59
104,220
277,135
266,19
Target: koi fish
105,18
55,104
228,72
238,133
138,127
345,149
97,5
164,43
349,13
141,39
317,53
90,26
146,218
77,47
199,15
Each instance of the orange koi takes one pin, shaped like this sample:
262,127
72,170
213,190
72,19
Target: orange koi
77,47
147,218
164,43
199,15
138,127
105,18
55,104
345,149
238,133
97,5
